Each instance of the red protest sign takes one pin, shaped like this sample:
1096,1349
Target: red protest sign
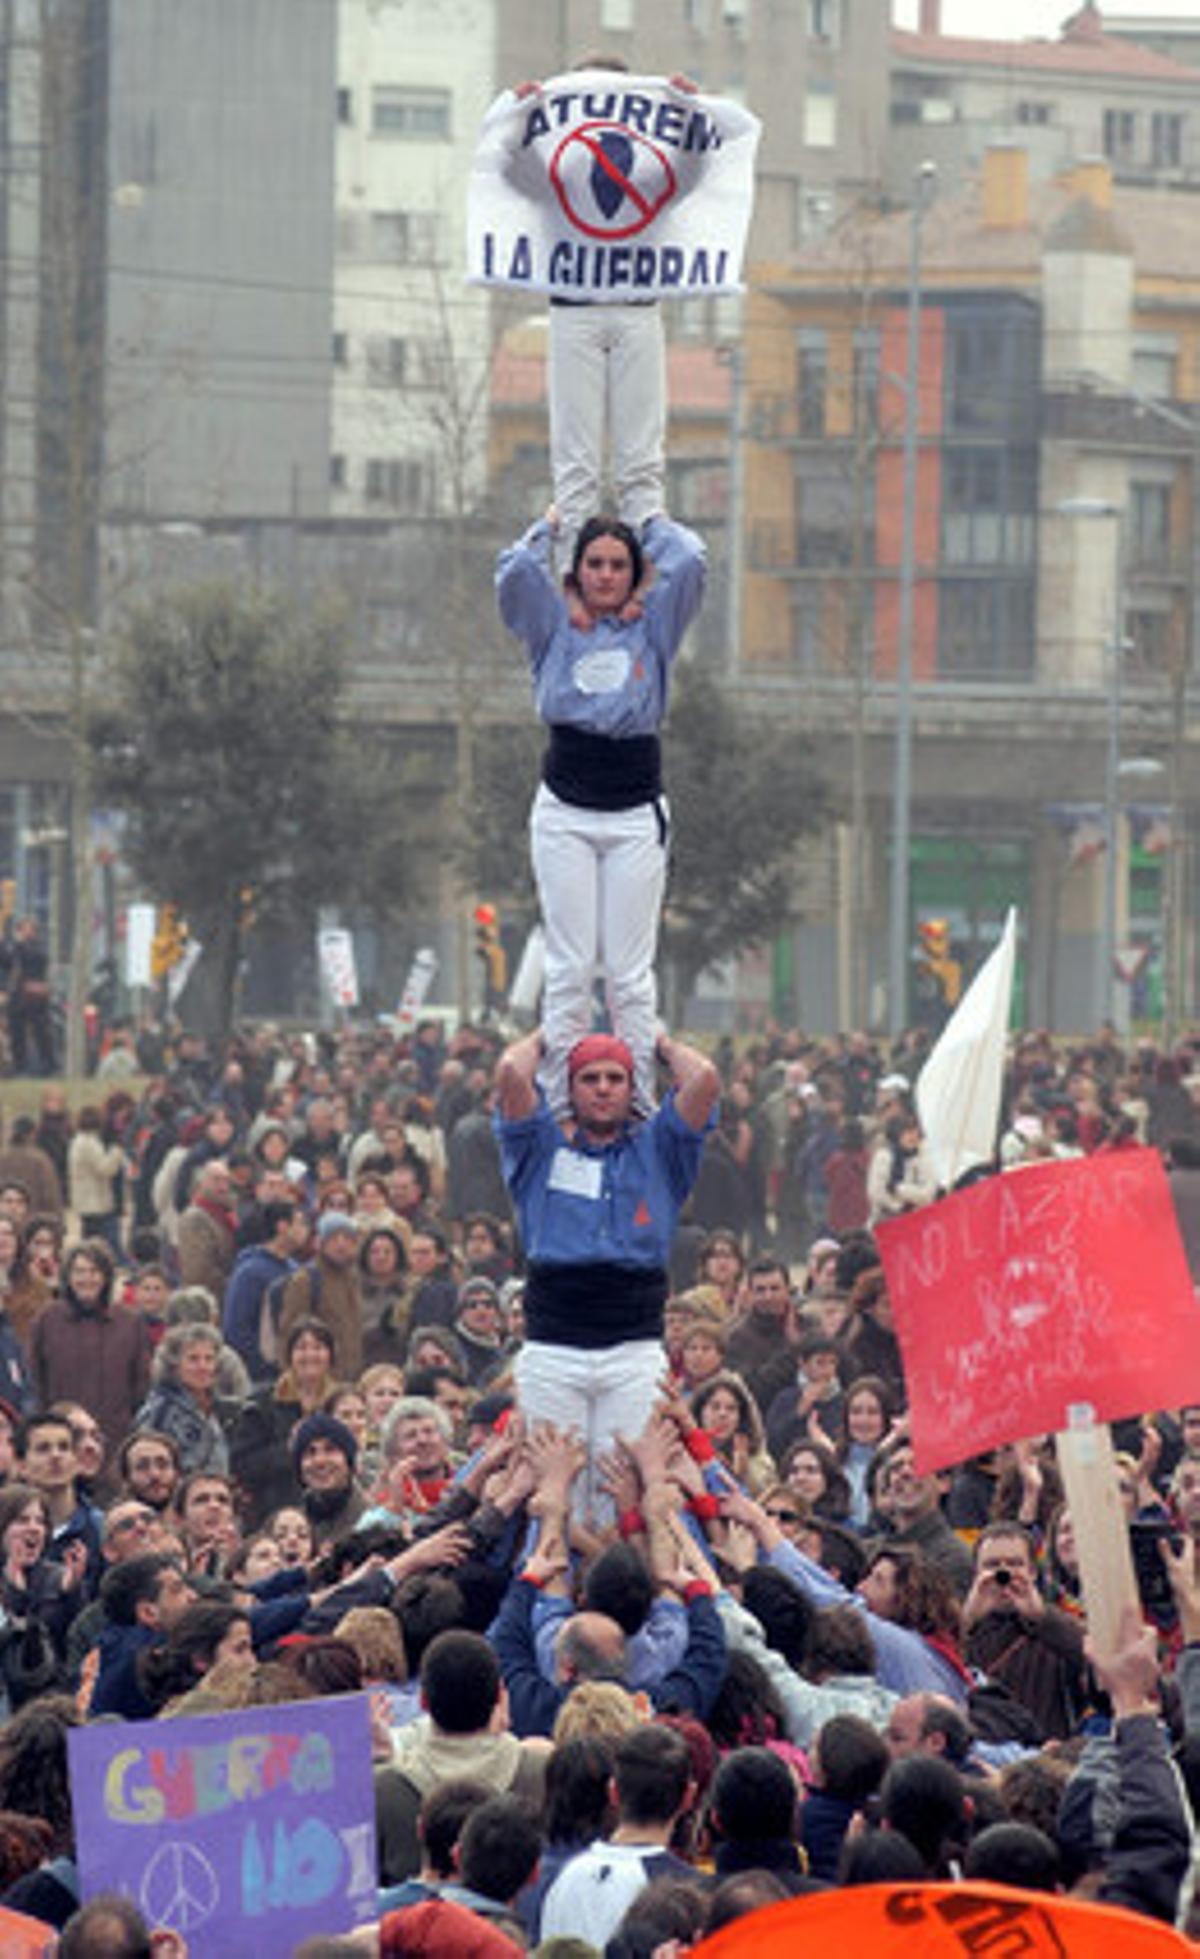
1062,1283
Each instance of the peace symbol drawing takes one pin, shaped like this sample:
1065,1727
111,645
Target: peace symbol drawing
611,181
179,1888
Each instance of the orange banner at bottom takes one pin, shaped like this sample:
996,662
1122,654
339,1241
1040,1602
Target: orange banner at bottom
958,1919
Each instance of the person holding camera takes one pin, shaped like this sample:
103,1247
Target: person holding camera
1012,1635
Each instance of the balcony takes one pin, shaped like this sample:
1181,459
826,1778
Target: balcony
1110,421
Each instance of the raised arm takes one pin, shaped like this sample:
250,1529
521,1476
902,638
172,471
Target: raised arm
681,567
516,1077
530,604
694,1079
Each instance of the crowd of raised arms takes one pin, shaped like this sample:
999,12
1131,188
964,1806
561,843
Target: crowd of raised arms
260,1439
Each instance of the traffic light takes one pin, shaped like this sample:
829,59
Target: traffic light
171,935
491,954
934,934
939,974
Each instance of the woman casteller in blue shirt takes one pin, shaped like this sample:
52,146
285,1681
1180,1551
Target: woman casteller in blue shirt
600,656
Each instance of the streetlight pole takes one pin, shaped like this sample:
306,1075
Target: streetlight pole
1112,780
898,928
1114,689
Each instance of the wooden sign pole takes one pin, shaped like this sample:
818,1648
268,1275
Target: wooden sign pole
1089,1473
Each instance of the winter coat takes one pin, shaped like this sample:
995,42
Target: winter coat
338,1305
93,1168
202,1439
205,1249
100,1359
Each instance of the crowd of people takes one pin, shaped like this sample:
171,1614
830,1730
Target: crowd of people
262,1436
553,1395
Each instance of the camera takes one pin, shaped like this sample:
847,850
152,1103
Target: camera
1001,1576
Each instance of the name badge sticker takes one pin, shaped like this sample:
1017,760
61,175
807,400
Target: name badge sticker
602,671
576,1175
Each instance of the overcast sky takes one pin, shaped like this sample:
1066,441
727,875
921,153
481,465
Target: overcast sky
1024,17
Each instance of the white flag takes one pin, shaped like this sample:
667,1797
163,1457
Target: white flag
958,1093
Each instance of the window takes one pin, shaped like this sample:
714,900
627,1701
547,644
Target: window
403,482
808,628
1166,140
1154,358
404,237
341,350
812,361
1120,135
337,472
388,363
823,21
866,377
824,515
696,15
1149,539
616,16
1034,114
420,113
816,213
1154,639
698,492
988,505
991,368
345,105
820,116
985,629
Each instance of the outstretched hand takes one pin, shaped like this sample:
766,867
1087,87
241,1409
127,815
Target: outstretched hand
556,1458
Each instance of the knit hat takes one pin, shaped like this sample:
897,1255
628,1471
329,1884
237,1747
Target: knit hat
323,1428
598,1047
476,1291
332,1221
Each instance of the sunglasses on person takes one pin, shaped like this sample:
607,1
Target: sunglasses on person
784,1516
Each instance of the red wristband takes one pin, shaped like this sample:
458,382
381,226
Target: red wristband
697,1589
699,1445
631,1522
527,1578
706,1507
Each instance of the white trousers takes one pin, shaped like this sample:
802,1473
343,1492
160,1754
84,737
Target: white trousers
600,1392
600,878
607,374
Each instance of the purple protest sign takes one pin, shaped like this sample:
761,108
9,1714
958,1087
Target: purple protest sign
245,1832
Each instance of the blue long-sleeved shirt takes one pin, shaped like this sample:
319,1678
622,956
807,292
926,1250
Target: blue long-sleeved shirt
655,1650
533,1702
611,680
904,1661
617,1203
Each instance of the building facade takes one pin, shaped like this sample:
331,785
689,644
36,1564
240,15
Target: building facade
1091,92
410,344
1054,534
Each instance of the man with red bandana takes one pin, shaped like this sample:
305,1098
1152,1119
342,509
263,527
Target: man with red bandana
597,1198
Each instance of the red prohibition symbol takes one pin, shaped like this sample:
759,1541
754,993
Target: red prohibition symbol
593,172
